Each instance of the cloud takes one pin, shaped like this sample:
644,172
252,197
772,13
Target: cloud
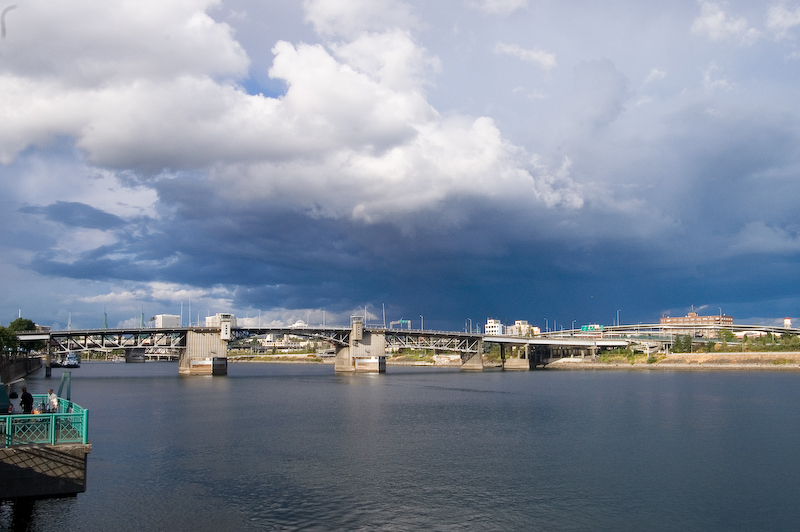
77,215
544,59
759,237
717,25
94,42
393,164
601,92
781,20
712,84
350,18
499,7
655,75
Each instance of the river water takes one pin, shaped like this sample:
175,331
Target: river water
296,447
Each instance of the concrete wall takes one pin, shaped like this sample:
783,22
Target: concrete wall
201,348
17,369
473,361
370,345
43,470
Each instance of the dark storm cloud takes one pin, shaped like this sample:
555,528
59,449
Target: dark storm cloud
651,166
77,215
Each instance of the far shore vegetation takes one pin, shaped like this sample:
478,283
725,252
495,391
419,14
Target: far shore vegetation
728,343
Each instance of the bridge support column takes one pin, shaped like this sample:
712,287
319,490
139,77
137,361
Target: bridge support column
206,353
473,361
521,363
366,351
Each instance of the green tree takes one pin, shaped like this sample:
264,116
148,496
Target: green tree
790,342
8,341
682,343
24,324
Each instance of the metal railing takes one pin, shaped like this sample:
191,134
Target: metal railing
69,424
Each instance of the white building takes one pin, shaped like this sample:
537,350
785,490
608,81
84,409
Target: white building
522,328
166,321
493,327
218,318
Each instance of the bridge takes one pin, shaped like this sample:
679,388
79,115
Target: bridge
203,350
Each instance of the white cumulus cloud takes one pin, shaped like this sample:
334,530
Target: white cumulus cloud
717,25
780,20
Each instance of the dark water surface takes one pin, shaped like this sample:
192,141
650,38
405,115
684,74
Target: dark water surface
295,447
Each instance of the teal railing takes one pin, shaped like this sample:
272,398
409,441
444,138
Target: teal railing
70,424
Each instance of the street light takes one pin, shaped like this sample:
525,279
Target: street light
421,323
617,318
546,326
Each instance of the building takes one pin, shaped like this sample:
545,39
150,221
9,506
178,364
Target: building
522,328
217,319
493,327
166,321
698,325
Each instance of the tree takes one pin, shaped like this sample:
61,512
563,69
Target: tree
8,341
682,343
24,324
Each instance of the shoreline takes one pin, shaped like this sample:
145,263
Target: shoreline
751,361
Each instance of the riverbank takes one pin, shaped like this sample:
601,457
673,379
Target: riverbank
771,361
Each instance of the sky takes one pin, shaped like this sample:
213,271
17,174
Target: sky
445,162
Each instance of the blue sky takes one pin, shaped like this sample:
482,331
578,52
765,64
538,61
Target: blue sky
457,159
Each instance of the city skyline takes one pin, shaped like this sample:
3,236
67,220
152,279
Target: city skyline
455,160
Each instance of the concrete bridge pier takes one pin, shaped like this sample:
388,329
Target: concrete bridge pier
365,352
523,362
473,361
206,353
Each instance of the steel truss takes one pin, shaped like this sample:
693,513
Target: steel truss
336,335
461,343
152,340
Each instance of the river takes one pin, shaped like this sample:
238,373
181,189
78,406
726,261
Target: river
296,447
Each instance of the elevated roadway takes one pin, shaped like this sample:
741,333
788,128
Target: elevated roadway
203,350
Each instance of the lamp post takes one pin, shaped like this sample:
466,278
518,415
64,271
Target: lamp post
470,325
546,326
421,323
617,318
573,327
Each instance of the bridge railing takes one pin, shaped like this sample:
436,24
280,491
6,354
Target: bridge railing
70,424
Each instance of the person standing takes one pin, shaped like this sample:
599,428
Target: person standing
52,399
26,401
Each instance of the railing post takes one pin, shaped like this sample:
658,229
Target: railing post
52,429
85,431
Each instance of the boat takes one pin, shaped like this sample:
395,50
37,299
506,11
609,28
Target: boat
72,361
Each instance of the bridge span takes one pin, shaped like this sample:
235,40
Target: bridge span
203,350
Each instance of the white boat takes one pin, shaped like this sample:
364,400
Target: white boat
72,361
